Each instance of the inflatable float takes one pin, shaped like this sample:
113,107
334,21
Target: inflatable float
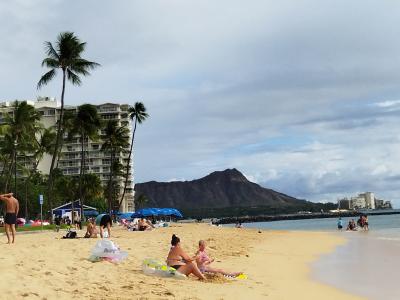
156,268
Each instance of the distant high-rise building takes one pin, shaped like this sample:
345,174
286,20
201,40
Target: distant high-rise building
96,161
369,200
365,200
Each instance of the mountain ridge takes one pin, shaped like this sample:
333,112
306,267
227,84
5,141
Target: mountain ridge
217,190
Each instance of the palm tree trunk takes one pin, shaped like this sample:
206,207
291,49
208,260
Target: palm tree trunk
4,172
110,183
60,147
9,172
4,164
26,198
28,179
55,152
82,172
128,166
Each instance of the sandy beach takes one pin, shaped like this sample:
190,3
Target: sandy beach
43,266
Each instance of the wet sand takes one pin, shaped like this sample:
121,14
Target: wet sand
43,266
367,265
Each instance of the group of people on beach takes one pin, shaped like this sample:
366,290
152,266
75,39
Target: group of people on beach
198,265
362,223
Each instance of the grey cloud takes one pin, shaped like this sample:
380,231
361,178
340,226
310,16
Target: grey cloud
217,76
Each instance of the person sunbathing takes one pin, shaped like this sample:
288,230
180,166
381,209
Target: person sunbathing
91,229
203,262
180,261
144,225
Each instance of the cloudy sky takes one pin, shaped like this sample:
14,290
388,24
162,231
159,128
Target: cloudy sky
301,96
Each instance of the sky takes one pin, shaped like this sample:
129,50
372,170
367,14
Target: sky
302,96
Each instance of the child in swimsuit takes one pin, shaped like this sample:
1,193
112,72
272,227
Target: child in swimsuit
204,261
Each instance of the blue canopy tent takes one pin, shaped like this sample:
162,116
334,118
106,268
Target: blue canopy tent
149,212
126,215
88,211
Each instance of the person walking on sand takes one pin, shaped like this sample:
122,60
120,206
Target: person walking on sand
12,208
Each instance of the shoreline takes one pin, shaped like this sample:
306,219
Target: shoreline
297,216
362,265
277,263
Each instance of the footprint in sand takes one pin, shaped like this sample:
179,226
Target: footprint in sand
128,287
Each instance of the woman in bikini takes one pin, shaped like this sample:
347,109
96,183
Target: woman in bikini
204,261
179,260
91,231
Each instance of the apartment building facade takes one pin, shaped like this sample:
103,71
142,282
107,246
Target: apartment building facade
96,161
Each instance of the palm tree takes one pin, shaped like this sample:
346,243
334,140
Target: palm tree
137,113
141,201
86,124
20,128
116,139
66,55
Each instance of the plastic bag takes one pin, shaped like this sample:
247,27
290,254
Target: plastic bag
107,250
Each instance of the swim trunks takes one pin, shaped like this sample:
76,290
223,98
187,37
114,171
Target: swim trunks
10,218
105,220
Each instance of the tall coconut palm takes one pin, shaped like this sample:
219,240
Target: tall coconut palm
86,124
20,128
137,113
66,56
115,140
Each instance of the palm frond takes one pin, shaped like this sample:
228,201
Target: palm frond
78,70
46,78
138,111
83,63
73,78
50,63
51,52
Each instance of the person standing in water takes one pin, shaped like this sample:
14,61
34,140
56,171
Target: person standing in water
340,224
12,208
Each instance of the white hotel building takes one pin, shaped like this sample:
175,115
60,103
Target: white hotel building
97,162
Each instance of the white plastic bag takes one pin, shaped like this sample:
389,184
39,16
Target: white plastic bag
106,249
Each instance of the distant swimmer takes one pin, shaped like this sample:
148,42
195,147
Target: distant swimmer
351,226
12,208
340,224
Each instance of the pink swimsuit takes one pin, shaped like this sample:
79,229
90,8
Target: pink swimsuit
203,259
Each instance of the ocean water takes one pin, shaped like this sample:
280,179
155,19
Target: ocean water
382,223
367,265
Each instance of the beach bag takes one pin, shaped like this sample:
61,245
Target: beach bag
70,235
